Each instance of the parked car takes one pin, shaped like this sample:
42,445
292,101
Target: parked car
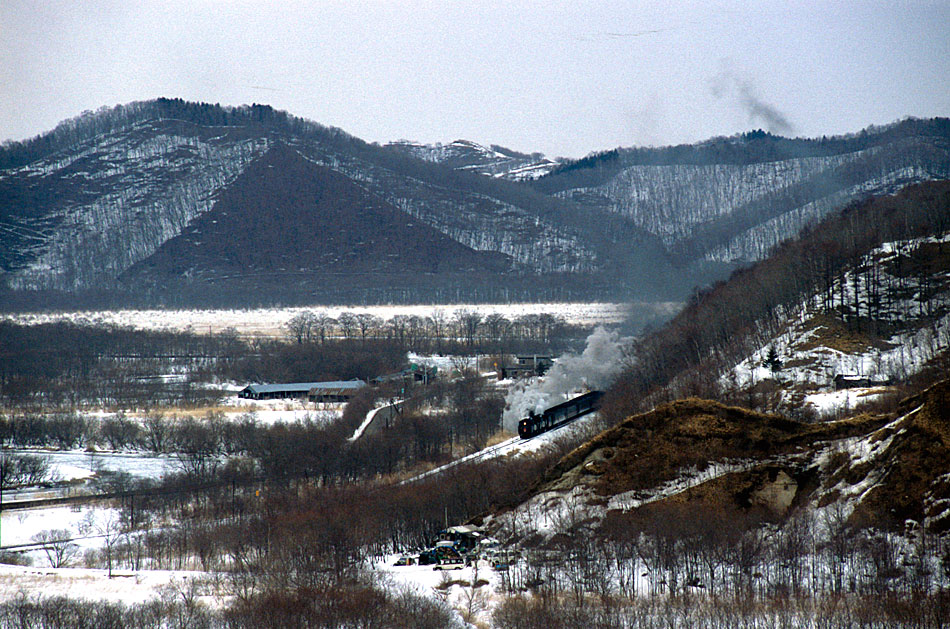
405,560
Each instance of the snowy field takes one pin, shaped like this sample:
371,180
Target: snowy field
269,412
271,322
453,586
70,469
832,402
18,526
83,583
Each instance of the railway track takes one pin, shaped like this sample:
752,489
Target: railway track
471,458
489,452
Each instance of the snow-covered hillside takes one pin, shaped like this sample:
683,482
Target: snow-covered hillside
116,198
671,201
817,347
698,193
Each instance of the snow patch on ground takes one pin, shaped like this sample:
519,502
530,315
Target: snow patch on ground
861,451
269,412
452,586
370,416
686,481
827,404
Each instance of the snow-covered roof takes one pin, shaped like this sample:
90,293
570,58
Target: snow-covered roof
464,529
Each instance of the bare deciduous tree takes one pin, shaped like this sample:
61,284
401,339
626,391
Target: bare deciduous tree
367,324
301,326
468,322
348,324
58,546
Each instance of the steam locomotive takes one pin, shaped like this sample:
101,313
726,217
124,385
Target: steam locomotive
535,424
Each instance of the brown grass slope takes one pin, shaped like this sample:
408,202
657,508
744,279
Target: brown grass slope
915,484
654,447
909,478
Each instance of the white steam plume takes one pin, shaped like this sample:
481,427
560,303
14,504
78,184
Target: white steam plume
596,368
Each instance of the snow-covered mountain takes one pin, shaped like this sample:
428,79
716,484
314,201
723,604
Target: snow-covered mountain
82,205
88,206
81,216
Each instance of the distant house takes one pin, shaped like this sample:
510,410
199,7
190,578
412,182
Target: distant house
851,381
295,389
465,537
526,366
414,373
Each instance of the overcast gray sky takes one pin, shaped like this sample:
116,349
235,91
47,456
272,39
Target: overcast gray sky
564,78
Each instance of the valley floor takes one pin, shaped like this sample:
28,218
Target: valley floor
272,322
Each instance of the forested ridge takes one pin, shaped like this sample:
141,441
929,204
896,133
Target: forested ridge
741,149
89,124
733,200
723,322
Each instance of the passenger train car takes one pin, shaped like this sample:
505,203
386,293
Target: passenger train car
562,413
